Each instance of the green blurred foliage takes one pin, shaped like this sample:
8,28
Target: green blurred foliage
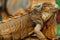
58,30
58,2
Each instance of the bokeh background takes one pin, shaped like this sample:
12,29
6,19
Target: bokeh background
58,18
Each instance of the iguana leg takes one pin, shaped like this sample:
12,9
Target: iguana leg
38,32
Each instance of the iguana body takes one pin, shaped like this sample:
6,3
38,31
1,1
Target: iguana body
20,27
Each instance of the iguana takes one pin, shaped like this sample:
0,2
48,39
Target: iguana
19,27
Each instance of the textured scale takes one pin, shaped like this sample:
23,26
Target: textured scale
20,27
16,28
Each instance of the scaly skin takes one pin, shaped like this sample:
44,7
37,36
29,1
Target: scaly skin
20,27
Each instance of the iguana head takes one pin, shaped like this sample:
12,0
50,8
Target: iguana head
48,10
42,12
